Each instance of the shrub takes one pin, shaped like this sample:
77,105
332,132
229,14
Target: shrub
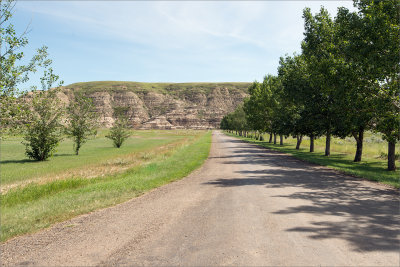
119,132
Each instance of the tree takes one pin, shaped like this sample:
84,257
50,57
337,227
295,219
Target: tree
12,72
268,107
81,120
43,128
226,123
319,51
236,121
119,132
368,43
355,100
239,120
381,35
255,108
299,95
388,121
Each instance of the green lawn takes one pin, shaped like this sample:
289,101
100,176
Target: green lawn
15,166
372,167
35,206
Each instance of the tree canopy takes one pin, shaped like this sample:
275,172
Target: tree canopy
344,82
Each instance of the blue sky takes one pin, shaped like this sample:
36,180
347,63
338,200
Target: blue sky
165,41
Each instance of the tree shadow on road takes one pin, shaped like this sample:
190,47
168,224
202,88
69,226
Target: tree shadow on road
365,215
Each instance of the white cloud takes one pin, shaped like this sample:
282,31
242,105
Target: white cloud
212,38
177,25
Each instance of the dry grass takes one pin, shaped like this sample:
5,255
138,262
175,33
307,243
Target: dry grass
110,167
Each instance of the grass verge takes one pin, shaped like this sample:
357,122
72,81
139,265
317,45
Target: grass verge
370,169
28,209
17,168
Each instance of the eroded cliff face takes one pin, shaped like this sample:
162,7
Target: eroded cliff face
147,109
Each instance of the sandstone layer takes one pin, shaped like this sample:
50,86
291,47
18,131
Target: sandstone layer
162,105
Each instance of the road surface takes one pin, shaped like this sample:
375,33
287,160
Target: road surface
246,206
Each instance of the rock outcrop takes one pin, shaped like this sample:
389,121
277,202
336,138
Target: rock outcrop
162,106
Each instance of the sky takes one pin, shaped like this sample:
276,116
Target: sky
164,41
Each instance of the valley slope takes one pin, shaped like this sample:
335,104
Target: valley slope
162,105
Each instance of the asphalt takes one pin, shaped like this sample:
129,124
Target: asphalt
246,206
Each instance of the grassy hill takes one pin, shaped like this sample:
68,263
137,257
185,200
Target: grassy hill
164,88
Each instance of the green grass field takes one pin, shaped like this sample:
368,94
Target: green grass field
17,167
55,191
372,167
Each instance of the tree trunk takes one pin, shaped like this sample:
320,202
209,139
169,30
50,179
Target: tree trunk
299,139
274,139
359,139
328,144
270,138
391,156
312,143
281,140
77,145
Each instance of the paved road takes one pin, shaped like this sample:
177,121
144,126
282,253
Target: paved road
245,206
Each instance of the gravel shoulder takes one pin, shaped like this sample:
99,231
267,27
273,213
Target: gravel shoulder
245,206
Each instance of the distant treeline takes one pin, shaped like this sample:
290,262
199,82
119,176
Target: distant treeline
344,82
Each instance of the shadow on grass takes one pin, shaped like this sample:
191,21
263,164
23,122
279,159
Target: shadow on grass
22,161
372,170
366,217
63,155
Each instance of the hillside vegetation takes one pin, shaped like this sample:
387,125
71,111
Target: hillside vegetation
176,89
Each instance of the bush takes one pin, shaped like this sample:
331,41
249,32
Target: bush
82,120
119,132
43,129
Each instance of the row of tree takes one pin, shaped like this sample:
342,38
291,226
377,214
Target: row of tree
345,81
45,121
39,114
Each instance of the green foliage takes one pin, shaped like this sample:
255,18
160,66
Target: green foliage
119,132
43,129
43,126
82,120
345,82
120,112
278,110
320,53
12,72
235,121
256,109
258,106
298,94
